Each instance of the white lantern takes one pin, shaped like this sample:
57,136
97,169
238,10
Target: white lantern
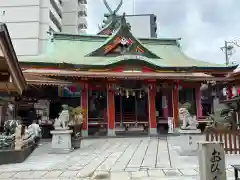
127,93
224,91
234,91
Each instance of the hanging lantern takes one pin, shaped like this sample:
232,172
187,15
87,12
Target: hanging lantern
204,87
224,91
140,95
234,91
127,93
133,93
120,92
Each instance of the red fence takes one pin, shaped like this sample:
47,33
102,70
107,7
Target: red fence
231,139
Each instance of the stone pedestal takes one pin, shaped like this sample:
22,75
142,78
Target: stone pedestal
111,132
189,140
211,159
153,132
61,141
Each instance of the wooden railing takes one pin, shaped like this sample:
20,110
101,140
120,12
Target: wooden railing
230,139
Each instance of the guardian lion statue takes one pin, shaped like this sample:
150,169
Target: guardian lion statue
189,122
63,119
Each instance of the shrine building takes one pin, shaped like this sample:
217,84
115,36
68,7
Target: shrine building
123,82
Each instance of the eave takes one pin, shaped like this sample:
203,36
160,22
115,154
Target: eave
17,81
216,70
125,75
33,79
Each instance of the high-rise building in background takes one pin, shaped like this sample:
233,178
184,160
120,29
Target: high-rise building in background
143,25
29,21
74,16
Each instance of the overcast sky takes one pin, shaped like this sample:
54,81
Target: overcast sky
203,25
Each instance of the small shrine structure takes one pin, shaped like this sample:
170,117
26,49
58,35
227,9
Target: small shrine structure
143,79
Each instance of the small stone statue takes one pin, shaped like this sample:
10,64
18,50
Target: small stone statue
189,122
18,137
28,133
63,119
57,124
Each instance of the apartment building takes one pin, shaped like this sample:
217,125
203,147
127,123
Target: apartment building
146,22
74,19
29,21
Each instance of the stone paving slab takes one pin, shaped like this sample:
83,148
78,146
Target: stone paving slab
6,175
119,154
53,174
157,173
131,158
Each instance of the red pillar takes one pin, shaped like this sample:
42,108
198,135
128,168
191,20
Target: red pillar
229,92
198,102
111,110
84,105
175,106
152,109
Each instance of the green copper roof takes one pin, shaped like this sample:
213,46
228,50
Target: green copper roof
89,51
125,42
71,49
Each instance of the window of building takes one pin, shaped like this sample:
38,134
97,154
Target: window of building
82,1
82,26
82,13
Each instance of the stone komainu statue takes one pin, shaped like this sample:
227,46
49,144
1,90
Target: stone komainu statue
7,139
10,127
188,121
62,121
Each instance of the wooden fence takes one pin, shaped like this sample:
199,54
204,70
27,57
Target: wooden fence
231,139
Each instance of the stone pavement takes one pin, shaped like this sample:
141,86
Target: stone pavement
115,158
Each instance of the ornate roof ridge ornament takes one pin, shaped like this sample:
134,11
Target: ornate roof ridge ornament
110,10
112,22
124,22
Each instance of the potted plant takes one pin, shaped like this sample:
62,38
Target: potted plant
75,123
